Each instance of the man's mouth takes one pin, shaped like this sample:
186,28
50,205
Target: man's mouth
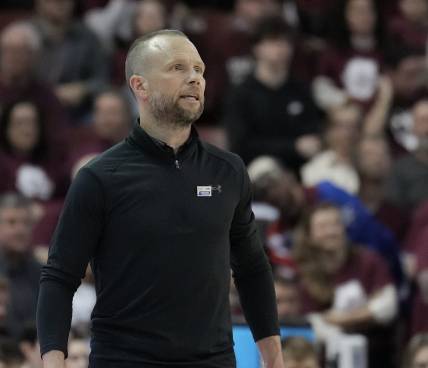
190,97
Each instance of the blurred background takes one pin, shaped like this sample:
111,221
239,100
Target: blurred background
325,100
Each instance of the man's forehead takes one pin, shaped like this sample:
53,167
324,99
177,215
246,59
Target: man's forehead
166,47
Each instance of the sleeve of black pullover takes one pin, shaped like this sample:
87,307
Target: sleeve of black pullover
73,244
251,270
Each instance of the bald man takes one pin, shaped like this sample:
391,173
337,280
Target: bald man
161,217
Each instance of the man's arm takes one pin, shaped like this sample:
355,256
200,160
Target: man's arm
270,349
253,278
54,359
73,245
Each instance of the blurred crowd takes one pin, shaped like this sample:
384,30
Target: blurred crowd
326,101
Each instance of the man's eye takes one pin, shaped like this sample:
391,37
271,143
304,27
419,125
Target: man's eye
178,67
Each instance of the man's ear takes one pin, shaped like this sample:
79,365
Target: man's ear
138,85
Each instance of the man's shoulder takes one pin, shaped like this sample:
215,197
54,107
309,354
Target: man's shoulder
228,158
111,159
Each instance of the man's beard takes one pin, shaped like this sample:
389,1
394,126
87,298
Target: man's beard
165,110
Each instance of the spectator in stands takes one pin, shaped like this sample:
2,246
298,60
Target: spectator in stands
271,113
28,162
335,162
280,188
373,161
350,286
416,355
29,346
349,70
410,27
111,124
148,16
287,300
71,58
224,41
17,263
407,69
299,353
19,51
408,182
78,353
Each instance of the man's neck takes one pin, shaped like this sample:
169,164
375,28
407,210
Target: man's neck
271,77
173,136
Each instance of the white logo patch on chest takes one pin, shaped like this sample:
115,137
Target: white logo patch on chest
204,191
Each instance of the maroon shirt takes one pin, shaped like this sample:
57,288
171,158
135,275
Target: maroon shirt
365,266
335,61
56,170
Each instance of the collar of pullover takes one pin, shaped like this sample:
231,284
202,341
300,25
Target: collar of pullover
153,146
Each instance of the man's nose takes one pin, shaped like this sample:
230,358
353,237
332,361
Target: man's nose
195,78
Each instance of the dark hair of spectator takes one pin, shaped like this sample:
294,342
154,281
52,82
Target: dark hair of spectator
40,150
339,32
272,28
298,349
417,343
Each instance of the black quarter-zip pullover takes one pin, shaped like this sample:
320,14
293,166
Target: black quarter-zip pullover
161,231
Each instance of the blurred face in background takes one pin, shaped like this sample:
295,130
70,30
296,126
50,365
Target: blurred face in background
56,11
274,52
373,159
78,354
327,234
15,229
16,54
415,10
361,17
409,76
287,299
23,132
343,129
286,194
254,10
150,16
111,117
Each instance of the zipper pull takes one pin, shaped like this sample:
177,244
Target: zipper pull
177,164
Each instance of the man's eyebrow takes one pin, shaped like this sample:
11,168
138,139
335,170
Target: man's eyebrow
183,60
